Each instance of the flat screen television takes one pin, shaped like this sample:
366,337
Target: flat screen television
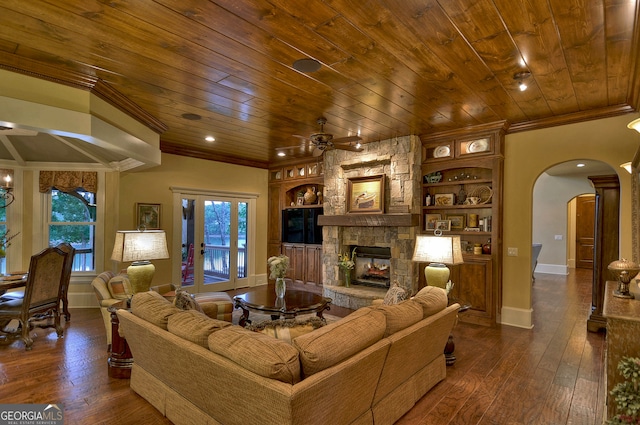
300,225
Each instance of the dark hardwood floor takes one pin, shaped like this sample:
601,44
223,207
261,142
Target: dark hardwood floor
551,374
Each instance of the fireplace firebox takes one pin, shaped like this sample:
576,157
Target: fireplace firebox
373,266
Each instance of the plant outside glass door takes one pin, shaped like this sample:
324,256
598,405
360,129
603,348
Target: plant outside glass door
214,241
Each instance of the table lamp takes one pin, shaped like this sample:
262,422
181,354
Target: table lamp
140,246
438,251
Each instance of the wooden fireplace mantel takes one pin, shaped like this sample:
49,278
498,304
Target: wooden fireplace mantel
370,220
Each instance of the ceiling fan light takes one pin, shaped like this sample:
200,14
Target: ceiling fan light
522,86
280,153
358,145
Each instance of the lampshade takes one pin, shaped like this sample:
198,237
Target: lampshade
135,245
438,249
140,247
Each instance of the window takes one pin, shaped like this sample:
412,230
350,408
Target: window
73,220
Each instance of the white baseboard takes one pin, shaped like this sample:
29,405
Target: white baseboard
552,269
518,317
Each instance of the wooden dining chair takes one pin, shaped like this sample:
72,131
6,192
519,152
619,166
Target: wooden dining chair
66,278
42,297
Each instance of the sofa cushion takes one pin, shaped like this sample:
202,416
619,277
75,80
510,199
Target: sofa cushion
432,299
287,329
400,316
120,287
340,340
194,326
153,308
259,353
185,301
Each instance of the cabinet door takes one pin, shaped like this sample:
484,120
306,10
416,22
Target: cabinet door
313,264
473,285
298,263
289,250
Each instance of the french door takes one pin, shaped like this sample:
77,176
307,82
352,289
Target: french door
215,232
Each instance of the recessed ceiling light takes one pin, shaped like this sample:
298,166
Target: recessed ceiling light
306,65
192,117
281,154
210,139
580,165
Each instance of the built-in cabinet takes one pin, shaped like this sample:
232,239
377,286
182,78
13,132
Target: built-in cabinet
288,185
462,195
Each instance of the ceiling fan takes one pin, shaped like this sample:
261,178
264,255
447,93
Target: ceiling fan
322,141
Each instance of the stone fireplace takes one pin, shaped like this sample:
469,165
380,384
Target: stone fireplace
399,159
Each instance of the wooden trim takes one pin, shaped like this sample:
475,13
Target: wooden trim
175,149
610,111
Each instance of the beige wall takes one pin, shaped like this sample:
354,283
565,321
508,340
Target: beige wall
153,186
527,155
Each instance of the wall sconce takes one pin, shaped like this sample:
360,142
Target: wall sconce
627,166
520,77
6,191
634,125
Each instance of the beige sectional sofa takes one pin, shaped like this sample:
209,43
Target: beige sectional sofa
370,367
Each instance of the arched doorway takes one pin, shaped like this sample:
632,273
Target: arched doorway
554,211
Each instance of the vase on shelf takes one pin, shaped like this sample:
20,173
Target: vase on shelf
281,287
310,196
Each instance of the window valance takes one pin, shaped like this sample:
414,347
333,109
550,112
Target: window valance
68,181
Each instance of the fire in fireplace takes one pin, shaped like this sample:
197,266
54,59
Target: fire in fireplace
373,266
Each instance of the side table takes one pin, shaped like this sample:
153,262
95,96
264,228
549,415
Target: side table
120,358
450,347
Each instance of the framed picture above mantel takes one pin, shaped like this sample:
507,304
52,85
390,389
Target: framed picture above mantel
365,195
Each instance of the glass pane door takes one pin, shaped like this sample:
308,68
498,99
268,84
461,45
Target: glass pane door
214,242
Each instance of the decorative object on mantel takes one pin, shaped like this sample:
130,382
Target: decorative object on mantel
365,195
347,263
279,265
437,250
624,270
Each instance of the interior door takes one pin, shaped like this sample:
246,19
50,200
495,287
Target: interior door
214,243
585,221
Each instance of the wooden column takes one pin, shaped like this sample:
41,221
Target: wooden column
606,240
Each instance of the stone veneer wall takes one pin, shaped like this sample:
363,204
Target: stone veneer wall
399,159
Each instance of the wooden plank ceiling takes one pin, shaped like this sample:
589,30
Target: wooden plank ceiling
389,67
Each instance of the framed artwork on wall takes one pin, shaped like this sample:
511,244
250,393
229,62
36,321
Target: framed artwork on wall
147,216
365,195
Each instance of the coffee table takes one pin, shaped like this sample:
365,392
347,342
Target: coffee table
292,304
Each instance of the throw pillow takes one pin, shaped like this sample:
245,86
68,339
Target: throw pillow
120,287
432,299
287,329
394,295
401,316
186,301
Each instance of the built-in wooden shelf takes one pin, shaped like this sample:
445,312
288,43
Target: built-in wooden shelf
370,220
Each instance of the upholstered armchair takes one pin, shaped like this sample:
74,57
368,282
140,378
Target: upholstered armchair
109,291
